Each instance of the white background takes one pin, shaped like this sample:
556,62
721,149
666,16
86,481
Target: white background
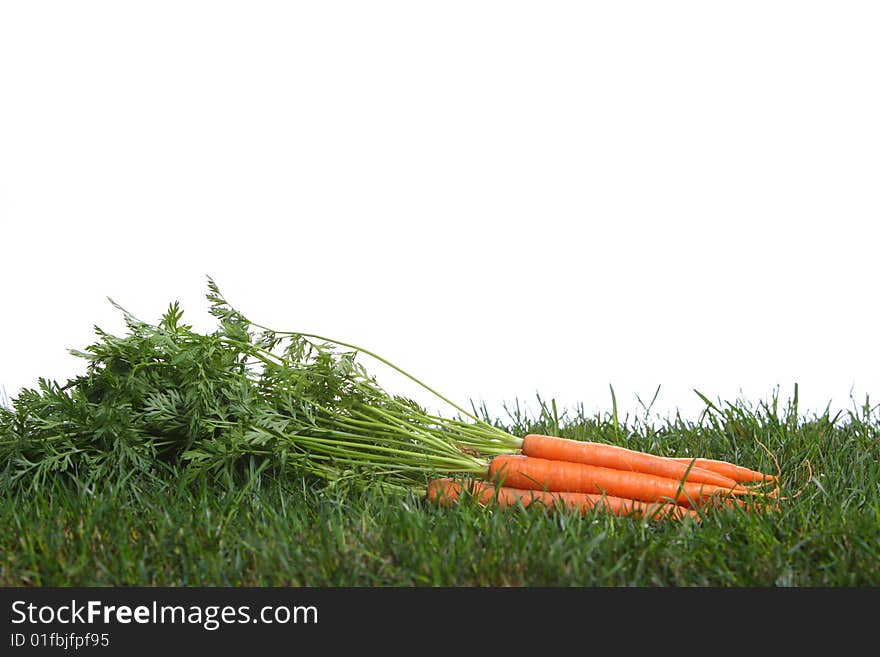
506,198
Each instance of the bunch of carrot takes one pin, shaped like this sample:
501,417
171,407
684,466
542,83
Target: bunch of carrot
583,475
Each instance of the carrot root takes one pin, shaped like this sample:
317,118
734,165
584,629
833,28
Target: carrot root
620,458
736,472
520,471
448,492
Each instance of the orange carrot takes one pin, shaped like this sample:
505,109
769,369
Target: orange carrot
520,471
736,472
448,492
618,458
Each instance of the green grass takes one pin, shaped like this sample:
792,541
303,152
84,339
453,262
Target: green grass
278,531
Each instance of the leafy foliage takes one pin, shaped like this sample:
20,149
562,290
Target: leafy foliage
166,401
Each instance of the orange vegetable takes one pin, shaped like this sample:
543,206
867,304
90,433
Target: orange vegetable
520,471
619,458
448,492
736,472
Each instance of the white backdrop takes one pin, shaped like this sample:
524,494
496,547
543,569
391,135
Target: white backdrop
506,198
